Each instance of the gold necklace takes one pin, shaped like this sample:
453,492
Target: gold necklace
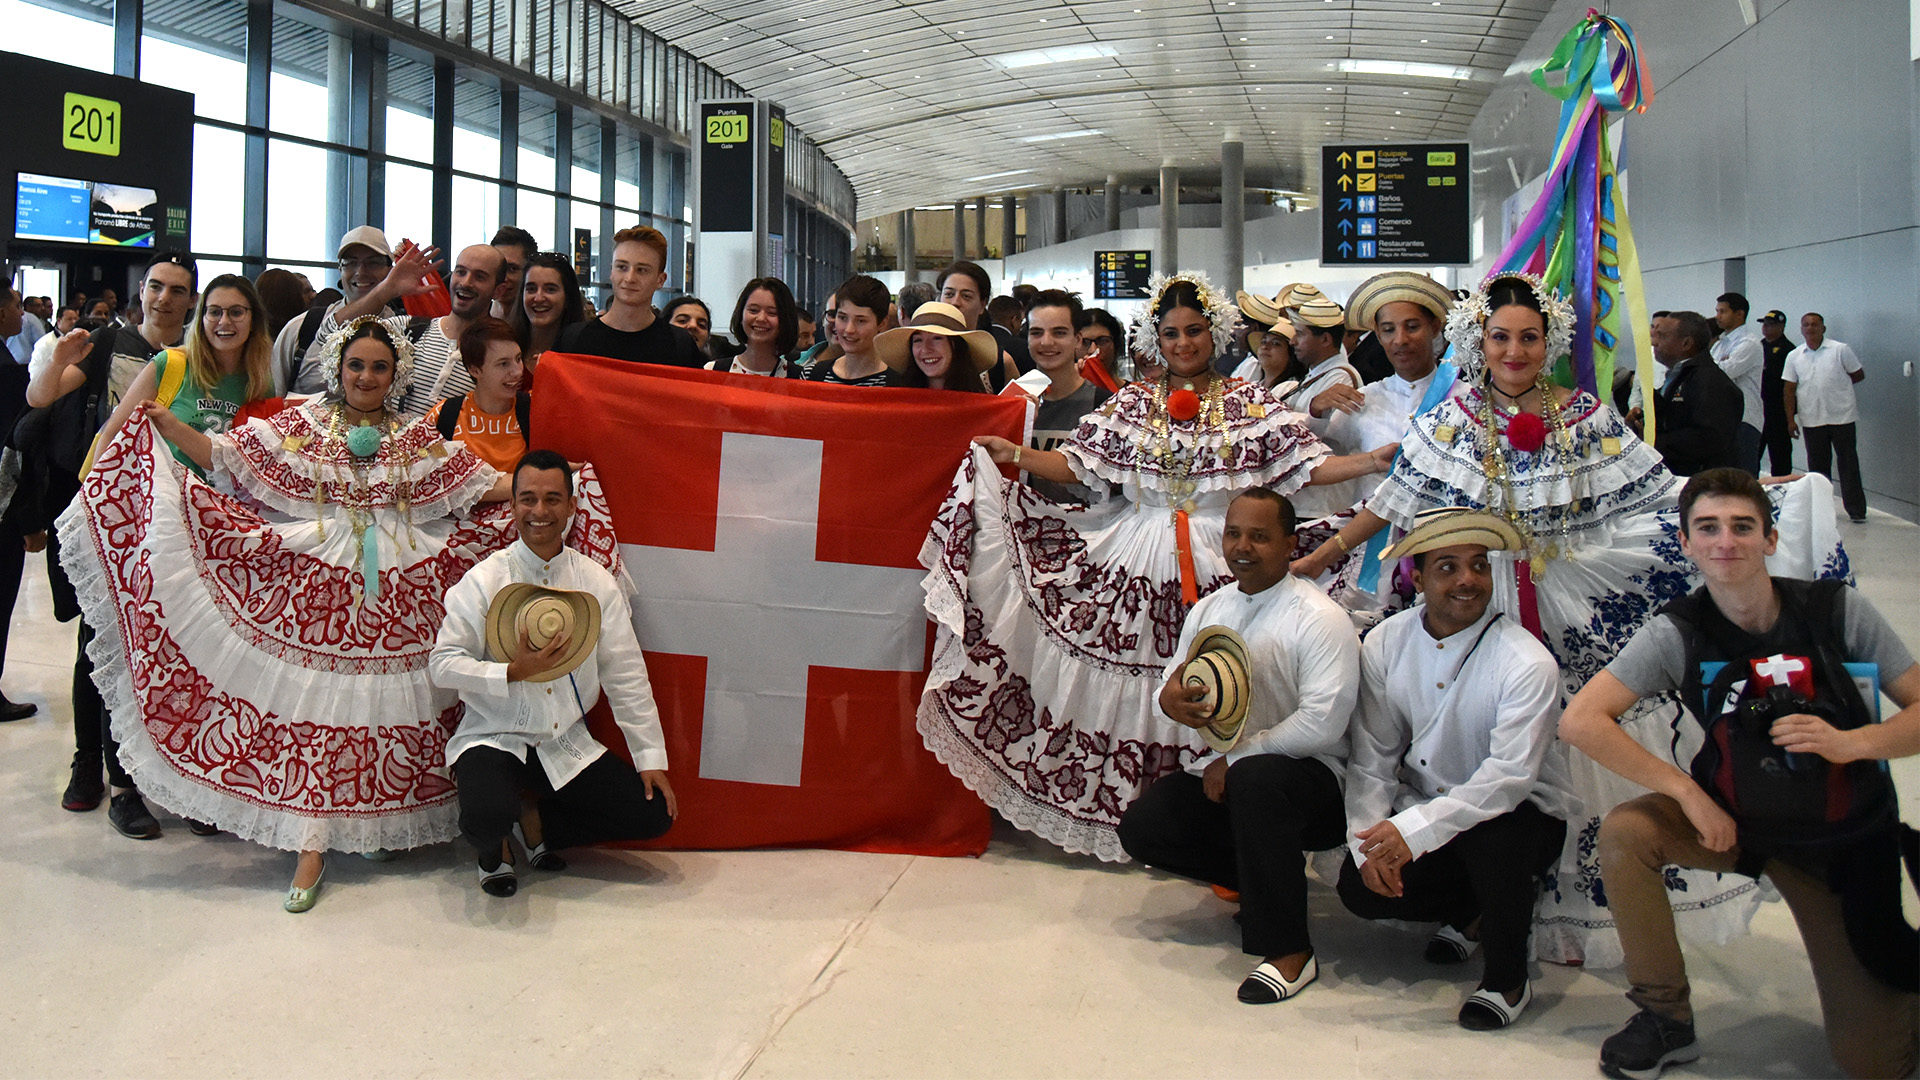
1165,451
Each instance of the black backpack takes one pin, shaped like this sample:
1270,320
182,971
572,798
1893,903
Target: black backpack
1790,805
58,436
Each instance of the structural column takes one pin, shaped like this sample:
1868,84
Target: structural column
980,224
1113,203
1169,218
1008,209
960,229
909,263
1059,215
1233,213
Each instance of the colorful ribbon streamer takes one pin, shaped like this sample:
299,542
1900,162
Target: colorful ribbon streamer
1578,235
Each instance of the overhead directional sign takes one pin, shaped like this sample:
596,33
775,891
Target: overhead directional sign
1404,203
1121,275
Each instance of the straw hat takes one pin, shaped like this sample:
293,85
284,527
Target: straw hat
544,614
1274,312
934,317
1452,526
1217,663
1318,311
1398,286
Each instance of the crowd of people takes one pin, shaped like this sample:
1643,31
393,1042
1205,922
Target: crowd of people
333,597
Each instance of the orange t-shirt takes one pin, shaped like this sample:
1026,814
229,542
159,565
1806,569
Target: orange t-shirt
494,438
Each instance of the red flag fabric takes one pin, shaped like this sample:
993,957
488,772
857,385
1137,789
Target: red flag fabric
773,528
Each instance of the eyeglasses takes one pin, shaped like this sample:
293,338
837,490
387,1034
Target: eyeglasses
1096,339
231,314
372,263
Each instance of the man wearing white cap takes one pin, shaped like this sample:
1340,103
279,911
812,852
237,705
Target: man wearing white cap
527,670
1240,818
1457,792
298,368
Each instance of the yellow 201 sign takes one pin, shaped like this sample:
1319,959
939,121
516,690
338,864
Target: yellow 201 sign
91,125
730,128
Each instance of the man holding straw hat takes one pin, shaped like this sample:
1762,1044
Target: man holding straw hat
1240,818
533,635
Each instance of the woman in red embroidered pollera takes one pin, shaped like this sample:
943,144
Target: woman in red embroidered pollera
264,634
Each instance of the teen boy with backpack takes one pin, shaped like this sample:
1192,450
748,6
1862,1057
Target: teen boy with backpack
1789,783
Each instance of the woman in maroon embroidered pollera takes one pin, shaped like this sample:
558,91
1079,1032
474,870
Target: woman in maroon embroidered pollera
1054,624
264,636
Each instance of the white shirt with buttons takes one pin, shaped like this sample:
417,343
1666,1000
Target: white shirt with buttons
1450,733
1304,661
545,717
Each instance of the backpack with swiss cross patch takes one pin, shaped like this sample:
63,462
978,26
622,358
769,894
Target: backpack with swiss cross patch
1794,806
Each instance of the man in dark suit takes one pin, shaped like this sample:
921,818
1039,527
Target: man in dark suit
1698,409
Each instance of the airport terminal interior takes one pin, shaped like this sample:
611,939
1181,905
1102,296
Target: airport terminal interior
1046,140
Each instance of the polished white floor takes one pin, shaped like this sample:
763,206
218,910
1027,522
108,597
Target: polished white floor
173,958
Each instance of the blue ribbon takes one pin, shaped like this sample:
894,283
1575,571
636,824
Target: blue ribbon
1437,391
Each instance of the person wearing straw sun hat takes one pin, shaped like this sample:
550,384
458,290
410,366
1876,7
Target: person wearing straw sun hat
1457,791
1319,330
1266,672
1406,312
937,351
533,635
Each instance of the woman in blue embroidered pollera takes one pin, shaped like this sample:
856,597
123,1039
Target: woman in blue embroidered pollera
1597,506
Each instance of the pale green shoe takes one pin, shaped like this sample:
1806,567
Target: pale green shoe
299,900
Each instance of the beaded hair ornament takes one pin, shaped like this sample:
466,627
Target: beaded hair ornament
1467,323
1221,314
402,361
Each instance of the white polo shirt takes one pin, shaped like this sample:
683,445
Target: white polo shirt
1823,387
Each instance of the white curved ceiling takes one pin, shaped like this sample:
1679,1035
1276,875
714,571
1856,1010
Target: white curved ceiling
912,98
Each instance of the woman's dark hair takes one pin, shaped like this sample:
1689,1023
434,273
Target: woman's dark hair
572,310
1105,318
960,374
282,295
372,328
789,312
1502,291
1180,294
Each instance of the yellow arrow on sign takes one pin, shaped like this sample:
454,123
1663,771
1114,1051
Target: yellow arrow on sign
1345,181
1344,158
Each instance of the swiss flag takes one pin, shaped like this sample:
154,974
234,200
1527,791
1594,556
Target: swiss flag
773,528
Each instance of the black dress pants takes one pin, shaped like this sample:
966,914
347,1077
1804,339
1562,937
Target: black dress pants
1826,442
606,801
93,739
1276,808
1488,872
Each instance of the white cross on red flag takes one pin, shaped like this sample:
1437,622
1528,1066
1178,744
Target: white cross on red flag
773,529
1793,672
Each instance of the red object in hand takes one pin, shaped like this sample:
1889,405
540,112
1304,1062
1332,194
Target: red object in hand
433,303
1526,432
1183,405
1095,372
260,409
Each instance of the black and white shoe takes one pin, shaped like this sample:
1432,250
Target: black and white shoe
1265,985
1649,1043
1450,946
499,881
1487,1010
538,856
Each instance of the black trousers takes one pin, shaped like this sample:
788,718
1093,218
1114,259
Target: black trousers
607,801
1779,443
1276,808
1823,444
13,564
1748,442
93,739
1488,872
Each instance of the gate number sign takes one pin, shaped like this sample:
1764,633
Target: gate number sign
91,125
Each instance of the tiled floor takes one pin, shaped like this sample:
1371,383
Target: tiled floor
173,958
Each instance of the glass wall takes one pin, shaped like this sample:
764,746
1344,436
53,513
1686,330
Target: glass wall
563,115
